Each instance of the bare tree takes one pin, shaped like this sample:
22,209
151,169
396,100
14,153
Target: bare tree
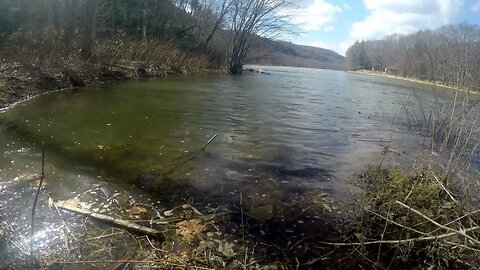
145,19
251,19
70,21
88,39
221,10
223,30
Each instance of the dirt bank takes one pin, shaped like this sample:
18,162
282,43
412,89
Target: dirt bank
23,81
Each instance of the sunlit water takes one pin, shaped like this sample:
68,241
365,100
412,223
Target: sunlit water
277,135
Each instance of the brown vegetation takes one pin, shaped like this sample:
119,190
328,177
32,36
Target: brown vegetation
47,45
424,214
417,220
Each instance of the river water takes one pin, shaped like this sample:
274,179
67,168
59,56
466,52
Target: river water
277,135
312,127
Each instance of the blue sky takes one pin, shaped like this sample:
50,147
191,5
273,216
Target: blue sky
336,24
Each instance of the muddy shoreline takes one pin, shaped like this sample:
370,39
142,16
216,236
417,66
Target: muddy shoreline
21,82
196,234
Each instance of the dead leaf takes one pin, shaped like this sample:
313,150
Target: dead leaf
168,213
138,210
190,229
70,203
226,249
29,177
361,238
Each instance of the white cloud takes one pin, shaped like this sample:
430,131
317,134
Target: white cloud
316,15
328,28
476,7
384,17
403,16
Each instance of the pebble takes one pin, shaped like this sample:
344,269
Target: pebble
168,213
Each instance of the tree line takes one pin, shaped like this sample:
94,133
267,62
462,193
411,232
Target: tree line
224,30
449,55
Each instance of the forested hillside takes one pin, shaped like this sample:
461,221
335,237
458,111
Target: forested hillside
281,53
53,44
102,29
448,55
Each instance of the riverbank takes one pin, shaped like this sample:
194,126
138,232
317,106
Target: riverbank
28,71
385,228
189,235
413,80
19,82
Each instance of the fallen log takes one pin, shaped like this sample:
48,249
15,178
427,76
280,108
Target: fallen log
127,225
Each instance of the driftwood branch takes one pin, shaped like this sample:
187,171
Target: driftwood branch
394,222
34,207
193,156
443,187
130,226
199,151
462,233
154,262
209,141
400,241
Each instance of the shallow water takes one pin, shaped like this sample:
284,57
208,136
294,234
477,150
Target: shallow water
306,126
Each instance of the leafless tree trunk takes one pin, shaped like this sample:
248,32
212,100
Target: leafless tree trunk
88,39
55,16
225,8
70,16
145,18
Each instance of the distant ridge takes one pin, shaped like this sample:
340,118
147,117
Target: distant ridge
282,53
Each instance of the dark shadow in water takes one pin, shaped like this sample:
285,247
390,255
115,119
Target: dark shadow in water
129,166
270,212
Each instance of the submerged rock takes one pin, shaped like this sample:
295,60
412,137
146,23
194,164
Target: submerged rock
251,70
263,212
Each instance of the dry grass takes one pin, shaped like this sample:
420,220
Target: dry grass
416,218
46,50
46,63
424,215
157,54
